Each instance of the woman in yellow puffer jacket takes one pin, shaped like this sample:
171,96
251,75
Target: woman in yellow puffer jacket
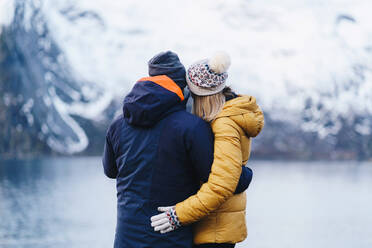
234,121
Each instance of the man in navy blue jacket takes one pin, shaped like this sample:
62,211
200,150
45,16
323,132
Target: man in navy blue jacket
159,154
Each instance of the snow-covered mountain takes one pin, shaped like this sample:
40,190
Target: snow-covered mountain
65,65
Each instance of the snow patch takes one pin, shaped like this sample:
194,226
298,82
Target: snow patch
26,108
6,12
68,145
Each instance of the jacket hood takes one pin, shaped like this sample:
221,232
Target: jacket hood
244,111
151,99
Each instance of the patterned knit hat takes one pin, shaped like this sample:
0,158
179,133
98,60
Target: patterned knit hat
208,77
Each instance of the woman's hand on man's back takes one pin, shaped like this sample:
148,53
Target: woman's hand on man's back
166,221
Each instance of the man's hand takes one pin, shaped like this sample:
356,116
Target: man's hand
166,221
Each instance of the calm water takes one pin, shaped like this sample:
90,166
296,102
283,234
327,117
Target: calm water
67,202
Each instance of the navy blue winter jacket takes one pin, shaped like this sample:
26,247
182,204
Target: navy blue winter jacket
159,154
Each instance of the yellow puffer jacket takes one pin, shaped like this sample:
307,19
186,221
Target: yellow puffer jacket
221,213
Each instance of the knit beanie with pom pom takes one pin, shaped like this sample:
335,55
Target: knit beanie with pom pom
208,77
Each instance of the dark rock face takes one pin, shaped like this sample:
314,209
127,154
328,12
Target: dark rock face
19,80
35,87
283,140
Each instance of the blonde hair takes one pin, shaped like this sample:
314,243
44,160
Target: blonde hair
208,107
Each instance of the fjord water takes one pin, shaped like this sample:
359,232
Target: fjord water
68,202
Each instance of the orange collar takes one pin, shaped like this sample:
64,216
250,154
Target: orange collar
167,83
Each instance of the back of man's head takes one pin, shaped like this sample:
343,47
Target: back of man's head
167,63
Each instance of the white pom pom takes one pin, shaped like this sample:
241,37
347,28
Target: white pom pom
220,62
